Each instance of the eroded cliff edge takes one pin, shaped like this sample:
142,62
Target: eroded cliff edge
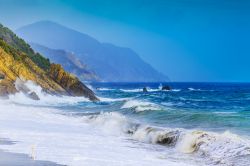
19,62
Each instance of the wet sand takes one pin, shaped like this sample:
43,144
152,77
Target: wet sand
17,159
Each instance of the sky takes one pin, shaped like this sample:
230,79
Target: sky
187,40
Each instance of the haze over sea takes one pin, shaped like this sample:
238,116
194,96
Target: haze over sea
192,124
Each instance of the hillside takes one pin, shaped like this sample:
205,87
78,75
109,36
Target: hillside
111,63
19,62
68,60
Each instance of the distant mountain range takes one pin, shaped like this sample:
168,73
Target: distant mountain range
68,60
109,62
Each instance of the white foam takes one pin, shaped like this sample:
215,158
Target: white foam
45,99
175,90
105,99
140,106
131,90
73,141
139,90
217,147
105,89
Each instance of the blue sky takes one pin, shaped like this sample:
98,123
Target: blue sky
188,40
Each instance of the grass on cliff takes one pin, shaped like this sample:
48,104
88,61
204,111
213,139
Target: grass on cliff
18,44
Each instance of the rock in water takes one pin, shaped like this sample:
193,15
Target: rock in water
2,76
166,87
70,83
145,89
33,96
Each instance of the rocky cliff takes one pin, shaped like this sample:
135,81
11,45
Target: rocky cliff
69,82
19,62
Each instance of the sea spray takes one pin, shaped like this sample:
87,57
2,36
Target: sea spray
45,98
114,132
210,144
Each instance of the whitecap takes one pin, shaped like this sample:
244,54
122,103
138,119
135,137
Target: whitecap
131,90
105,89
140,106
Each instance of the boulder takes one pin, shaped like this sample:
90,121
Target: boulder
33,96
166,87
2,76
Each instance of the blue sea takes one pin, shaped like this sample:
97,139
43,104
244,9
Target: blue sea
191,124
207,106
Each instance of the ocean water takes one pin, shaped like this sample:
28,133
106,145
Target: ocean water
192,124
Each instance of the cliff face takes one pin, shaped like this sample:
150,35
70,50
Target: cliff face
25,69
69,82
18,61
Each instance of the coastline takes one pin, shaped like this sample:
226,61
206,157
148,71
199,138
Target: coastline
20,159
73,131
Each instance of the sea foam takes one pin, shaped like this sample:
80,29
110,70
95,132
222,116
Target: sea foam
140,106
48,135
45,98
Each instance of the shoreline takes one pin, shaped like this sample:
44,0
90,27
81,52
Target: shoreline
19,159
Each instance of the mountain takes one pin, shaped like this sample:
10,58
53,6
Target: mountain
111,63
19,63
68,60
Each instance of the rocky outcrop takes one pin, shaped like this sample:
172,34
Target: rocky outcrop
70,83
2,76
166,87
6,87
19,62
33,96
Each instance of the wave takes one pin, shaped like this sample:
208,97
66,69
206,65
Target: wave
216,148
140,106
45,127
139,90
175,90
105,89
105,99
45,98
43,132
49,99
148,89
131,90
193,89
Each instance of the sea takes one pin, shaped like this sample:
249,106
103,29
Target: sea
193,124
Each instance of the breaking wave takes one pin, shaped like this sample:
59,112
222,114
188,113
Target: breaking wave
140,106
216,148
148,90
131,90
45,98
105,89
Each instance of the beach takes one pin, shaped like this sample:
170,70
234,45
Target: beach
126,127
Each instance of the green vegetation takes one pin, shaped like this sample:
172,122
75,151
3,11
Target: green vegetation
10,50
18,44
